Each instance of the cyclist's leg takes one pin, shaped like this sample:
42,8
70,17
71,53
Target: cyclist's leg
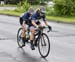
32,30
23,33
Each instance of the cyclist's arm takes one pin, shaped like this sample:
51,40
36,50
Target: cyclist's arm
33,19
33,22
45,21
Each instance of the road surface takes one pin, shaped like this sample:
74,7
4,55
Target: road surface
8,8
62,40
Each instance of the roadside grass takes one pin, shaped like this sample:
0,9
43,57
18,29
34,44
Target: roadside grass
61,19
50,18
8,12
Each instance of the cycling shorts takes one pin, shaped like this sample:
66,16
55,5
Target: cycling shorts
28,22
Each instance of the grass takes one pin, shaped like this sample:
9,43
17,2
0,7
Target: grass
8,12
51,18
62,19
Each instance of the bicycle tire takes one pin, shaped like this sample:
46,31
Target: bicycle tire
43,34
18,37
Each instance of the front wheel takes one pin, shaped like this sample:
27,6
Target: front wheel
44,45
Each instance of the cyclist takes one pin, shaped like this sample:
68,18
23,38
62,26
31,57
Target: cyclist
39,14
24,21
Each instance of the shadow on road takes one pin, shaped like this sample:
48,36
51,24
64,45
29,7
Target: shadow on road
29,58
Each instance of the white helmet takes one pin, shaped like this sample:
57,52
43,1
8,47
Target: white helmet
31,10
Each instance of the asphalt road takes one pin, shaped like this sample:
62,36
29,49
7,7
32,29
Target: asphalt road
7,8
62,40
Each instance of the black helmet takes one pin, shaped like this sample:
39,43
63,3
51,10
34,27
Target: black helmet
42,10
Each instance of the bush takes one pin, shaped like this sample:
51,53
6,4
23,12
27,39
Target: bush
34,2
64,7
22,8
50,11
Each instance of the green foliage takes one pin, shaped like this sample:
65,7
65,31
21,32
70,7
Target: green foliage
50,11
34,2
64,7
41,2
11,1
24,7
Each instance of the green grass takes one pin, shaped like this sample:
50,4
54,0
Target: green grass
62,19
8,12
51,18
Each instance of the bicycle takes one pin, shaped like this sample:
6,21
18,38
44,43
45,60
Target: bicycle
42,41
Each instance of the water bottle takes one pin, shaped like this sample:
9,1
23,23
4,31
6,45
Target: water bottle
27,34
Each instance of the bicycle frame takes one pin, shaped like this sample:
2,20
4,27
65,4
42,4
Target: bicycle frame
40,32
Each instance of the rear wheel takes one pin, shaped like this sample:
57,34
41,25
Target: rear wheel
19,39
44,45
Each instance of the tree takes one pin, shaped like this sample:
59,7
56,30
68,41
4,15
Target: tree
38,1
11,1
64,7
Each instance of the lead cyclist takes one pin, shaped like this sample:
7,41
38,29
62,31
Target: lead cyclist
39,14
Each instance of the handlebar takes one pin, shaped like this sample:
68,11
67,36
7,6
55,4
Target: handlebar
41,28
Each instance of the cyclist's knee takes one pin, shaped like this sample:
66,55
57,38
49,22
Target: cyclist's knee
24,29
32,31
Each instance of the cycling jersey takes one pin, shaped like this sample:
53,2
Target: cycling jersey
25,16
